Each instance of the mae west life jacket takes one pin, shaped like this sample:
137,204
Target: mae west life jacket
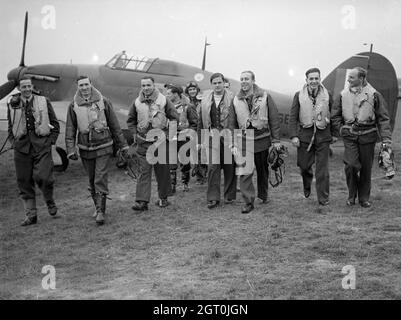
358,106
40,113
317,113
257,117
153,114
206,105
91,119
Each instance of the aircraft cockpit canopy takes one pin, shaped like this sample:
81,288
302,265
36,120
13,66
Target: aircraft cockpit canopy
124,61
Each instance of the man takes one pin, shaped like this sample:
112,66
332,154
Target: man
310,132
188,120
32,129
192,90
92,116
213,115
254,109
358,115
151,110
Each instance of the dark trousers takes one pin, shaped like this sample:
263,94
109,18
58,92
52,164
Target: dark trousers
320,153
262,179
358,160
34,168
184,168
162,173
97,171
214,178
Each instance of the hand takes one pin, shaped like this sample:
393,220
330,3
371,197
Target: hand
295,142
277,145
73,156
386,144
124,153
234,151
334,139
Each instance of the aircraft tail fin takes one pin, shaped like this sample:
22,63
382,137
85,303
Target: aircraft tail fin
381,75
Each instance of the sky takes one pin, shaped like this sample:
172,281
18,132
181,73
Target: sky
279,40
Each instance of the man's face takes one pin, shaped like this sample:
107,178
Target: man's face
218,85
26,88
173,97
353,79
226,85
313,80
84,87
147,86
246,81
192,92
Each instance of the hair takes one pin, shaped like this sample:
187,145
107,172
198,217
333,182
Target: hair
148,78
24,78
217,75
83,77
312,70
361,72
251,73
192,84
175,89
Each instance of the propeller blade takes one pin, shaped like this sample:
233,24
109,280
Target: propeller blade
6,88
22,62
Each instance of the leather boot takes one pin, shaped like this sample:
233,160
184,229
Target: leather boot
96,201
30,212
173,177
100,216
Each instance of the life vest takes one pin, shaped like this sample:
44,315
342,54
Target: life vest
40,113
154,114
257,117
206,105
358,106
182,108
318,113
90,115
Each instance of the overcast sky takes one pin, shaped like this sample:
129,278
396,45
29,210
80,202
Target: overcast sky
279,39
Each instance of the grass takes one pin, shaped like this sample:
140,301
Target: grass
288,249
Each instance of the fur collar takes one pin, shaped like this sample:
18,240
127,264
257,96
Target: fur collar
152,98
96,96
257,92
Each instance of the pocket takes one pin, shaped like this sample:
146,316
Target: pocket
99,137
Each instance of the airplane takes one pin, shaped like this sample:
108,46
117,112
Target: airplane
119,80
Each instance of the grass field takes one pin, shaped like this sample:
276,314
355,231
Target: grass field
288,249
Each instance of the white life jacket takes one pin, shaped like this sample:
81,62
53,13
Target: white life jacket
154,114
40,113
257,117
358,106
206,105
90,115
318,113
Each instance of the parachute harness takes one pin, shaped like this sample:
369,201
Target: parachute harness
276,162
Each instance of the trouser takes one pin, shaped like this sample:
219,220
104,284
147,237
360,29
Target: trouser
214,177
162,173
185,168
34,168
358,160
97,171
262,179
319,153
201,173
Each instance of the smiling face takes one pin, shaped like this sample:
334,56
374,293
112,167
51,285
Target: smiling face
246,81
353,79
147,86
192,92
26,87
85,87
313,80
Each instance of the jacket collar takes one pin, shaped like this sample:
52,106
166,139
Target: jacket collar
257,92
96,96
150,99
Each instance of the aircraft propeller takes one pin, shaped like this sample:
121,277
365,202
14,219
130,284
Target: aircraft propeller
14,74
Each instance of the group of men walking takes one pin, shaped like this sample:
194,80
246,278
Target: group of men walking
226,128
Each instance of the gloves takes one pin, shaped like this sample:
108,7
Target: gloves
295,142
124,152
73,156
277,145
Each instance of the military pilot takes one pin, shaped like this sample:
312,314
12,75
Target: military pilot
359,115
32,130
151,110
